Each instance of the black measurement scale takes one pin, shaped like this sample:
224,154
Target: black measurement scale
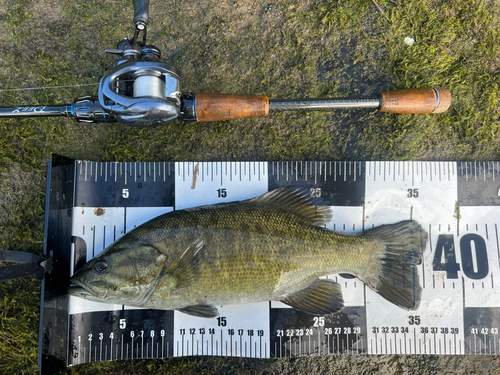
91,204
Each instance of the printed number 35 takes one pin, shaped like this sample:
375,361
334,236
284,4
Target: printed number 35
412,193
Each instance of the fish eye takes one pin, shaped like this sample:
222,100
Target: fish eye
100,267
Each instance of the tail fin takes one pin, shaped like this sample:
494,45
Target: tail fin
395,276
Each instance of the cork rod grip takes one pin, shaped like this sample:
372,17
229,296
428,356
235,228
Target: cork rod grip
221,107
416,101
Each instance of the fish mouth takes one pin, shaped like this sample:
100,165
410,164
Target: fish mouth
79,291
78,288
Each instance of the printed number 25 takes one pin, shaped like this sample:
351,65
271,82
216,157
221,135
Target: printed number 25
412,193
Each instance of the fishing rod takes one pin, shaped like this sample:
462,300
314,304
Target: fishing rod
142,90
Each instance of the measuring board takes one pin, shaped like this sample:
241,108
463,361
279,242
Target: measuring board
91,204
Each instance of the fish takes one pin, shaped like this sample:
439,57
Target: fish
274,247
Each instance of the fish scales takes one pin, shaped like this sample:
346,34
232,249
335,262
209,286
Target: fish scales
241,257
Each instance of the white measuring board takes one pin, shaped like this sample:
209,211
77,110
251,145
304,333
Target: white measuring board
457,203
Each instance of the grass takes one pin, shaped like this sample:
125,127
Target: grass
284,49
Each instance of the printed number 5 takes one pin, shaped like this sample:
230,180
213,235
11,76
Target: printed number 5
412,193
125,193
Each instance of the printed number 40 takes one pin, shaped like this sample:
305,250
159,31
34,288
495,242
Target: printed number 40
445,258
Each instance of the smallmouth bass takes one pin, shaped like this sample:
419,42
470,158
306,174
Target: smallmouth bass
272,247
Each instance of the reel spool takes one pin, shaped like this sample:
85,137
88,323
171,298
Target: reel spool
149,85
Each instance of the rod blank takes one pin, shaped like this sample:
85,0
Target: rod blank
38,111
415,101
323,104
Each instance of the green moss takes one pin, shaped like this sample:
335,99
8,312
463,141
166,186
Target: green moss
19,317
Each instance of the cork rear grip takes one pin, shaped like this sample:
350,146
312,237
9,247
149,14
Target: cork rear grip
416,101
221,107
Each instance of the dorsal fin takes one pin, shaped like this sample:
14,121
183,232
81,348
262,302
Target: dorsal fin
298,201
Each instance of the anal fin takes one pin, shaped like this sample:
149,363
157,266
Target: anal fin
202,311
321,297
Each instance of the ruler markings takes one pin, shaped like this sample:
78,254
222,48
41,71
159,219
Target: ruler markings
104,237
414,165
498,243
316,173
444,345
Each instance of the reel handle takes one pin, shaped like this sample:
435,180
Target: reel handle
141,13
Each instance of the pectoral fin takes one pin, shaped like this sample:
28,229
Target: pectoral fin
183,268
202,311
321,297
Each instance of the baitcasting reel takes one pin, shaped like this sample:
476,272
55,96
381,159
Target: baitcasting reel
142,90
